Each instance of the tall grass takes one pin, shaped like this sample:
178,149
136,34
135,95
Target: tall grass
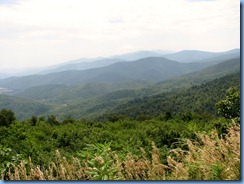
212,158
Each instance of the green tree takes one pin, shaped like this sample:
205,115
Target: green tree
51,119
168,116
230,106
33,120
6,117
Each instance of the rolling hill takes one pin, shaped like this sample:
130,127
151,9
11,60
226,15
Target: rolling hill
107,103
196,78
82,64
153,69
62,94
133,103
199,99
182,56
89,63
98,92
22,107
188,56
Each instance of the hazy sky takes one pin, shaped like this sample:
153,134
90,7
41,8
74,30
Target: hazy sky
46,32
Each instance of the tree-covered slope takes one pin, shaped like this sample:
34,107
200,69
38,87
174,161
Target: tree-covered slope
195,99
106,103
60,94
97,99
22,107
133,103
196,78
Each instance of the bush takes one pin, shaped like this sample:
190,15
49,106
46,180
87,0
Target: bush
213,158
230,106
6,117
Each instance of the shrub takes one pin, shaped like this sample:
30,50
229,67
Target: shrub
212,158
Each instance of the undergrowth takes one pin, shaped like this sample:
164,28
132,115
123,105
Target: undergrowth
213,157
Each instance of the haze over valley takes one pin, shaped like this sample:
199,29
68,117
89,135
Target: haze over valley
90,80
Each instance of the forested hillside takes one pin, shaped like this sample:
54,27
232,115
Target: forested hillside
197,78
108,103
106,124
23,107
63,94
200,99
93,100
122,149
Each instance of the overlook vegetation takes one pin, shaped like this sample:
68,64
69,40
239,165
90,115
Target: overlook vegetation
149,119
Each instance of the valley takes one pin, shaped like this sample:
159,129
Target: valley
4,90
144,108
98,90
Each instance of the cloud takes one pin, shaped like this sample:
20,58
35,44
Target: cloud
200,0
9,2
44,32
116,20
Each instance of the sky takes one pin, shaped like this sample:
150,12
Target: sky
38,33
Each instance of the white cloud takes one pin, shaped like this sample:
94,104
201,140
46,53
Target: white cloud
8,2
43,32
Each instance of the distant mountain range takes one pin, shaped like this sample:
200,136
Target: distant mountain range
141,54
89,63
152,69
126,100
188,56
83,64
182,56
99,86
207,74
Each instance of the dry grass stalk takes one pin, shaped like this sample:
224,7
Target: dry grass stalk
61,170
144,168
215,158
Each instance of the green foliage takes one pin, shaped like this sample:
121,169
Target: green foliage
23,108
51,119
120,120
168,116
124,118
230,106
199,99
100,159
8,159
212,157
7,117
123,136
41,141
69,120
216,171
